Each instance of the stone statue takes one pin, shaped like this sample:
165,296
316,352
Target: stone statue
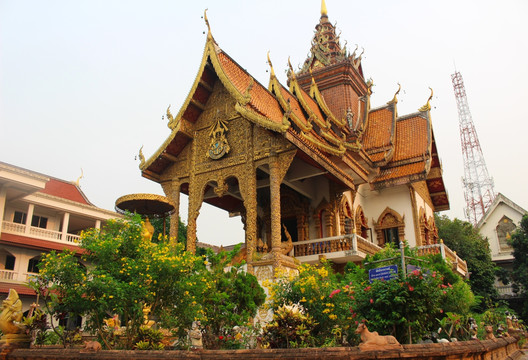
10,318
195,334
374,341
148,230
11,314
287,246
489,333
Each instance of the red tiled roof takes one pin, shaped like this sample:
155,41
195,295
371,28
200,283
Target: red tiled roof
401,171
379,129
411,150
411,138
261,99
19,288
294,104
65,190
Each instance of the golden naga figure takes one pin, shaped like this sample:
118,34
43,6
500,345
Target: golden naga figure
11,314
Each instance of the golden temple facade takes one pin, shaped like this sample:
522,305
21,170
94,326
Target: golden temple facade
311,168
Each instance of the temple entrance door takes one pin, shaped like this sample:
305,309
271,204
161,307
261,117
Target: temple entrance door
291,226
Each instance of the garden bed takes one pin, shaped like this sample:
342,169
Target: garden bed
506,348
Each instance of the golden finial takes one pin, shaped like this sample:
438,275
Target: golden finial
141,157
207,23
370,84
323,8
395,99
77,182
427,106
271,65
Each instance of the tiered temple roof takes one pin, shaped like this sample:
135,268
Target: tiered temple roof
325,112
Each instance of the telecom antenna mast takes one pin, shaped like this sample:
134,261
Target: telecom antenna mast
478,185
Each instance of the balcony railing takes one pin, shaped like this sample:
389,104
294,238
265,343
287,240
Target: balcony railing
449,255
348,247
39,233
15,277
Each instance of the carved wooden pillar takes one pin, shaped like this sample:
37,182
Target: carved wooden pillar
248,188
174,197
275,208
195,203
195,199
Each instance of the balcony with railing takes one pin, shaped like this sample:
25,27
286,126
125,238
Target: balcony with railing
39,233
11,276
450,256
339,249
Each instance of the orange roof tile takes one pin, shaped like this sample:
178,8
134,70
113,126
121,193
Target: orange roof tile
379,129
294,104
311,104
401,171
261,100
412,139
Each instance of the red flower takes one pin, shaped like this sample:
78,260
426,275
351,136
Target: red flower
441,311
367,288
416,272
411,288
337,291
221,337
371,300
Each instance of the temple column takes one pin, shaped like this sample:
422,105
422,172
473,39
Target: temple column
175,217
248,188
275,208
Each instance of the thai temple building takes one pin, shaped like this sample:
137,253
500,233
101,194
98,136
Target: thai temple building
310,166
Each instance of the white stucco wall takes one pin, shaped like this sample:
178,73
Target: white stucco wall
488,228
375,202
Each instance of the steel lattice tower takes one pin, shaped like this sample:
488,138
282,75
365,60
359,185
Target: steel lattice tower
478,185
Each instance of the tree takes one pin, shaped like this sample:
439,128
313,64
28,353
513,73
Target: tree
519,242
125,274
158,228
463,238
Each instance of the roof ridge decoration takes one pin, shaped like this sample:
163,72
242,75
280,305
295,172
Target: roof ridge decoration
316,94
243,98
275,88
325,48
427,106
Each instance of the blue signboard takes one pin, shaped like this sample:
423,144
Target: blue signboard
383,273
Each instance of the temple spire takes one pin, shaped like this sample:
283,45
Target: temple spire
324,12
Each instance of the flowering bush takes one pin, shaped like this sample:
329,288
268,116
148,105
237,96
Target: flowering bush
323,297
291,327
127,273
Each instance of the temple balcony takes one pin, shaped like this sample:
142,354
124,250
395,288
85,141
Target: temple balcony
450,256
339,249
9,227
345,248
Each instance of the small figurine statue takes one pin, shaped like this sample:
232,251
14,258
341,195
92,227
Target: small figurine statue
146,322
489,333
195,334
148,230
373,341
473,328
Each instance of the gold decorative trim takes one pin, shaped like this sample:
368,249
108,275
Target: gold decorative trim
338,152
316,94
262,120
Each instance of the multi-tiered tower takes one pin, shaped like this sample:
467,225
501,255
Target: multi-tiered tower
478,185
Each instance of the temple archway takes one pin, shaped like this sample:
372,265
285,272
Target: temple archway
390,227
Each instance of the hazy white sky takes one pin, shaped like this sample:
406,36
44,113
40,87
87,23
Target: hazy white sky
84,84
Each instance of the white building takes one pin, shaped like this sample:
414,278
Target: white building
497,225
38,213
